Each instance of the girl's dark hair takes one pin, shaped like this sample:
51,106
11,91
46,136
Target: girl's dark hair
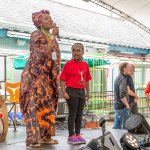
77,45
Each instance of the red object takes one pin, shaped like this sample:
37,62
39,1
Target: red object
91,125
147,90
76,74
1,115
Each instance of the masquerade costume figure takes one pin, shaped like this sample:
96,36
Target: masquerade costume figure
39,82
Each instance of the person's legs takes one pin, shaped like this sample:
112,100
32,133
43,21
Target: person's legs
75,105
45,103
78,121
135,108
117,119
32,127
81,104
131,107
72,106
125,113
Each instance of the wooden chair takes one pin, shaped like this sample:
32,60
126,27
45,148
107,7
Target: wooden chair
14,91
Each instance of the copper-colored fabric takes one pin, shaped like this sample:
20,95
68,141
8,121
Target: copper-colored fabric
36,17
39,88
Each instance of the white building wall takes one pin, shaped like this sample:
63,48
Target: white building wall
2,69
146,76
65,52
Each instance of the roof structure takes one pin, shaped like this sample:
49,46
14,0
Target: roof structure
138,9
74,23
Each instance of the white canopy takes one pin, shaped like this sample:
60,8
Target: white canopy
137,9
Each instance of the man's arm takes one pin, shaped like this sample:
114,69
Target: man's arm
148,96
123,90
131,93
125,102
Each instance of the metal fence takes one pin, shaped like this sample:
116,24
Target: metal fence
101,103
102,83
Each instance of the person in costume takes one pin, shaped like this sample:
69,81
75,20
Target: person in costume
39,81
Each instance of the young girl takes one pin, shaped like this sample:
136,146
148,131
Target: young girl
75,76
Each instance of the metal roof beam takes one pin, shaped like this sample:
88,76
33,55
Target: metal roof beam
120,13
129,49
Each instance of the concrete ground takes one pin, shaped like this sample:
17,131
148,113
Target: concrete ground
16,140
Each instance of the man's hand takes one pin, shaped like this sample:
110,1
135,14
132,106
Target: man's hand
127,107
135,100
136,97
66,96
148,97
